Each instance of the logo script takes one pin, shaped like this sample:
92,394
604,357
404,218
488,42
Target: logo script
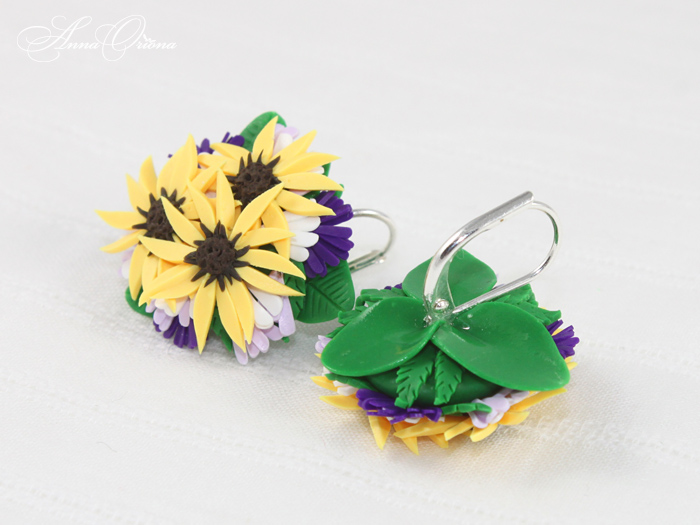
44,44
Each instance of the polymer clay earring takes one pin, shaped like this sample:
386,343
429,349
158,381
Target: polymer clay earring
240,238
448,352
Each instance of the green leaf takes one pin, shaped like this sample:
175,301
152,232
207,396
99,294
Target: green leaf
504,345
372,295
298,284
328,295
467,277
252,130
448,376
352,381
524,298
463,408
470,387
345,317
412,375
135,304
383,337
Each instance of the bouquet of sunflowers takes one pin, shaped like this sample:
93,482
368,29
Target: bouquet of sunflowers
239,238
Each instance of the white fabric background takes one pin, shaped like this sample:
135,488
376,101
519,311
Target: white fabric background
439,114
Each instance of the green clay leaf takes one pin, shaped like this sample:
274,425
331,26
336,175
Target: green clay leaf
546,317
504,345
524,298
412,375
373,295
383,337
352,381
470,387
448,375
468,278
135,304
298,284
345,317
463,408
253,129
327,296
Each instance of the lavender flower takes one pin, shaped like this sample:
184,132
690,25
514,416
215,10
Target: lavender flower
565,340
334,242
378,404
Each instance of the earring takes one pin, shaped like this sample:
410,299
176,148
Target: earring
240,238
448,352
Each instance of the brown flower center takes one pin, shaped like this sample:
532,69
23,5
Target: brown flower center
217,256
156,223
254,178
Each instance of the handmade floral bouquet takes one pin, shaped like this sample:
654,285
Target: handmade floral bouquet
239,238
443,379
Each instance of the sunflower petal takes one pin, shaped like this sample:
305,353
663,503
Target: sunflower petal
178,291
380,428
229,316
459,429
203,310
301,205
482,433
262,236
231,151
272,261
266,284
225,204
168,250
169,279
537,398
147,176
181,167
252,213
205,178
243,303
309,182
296,148
274,218
135,270
138,196
149,271
304,162
218,162
182,226
264,142
204,209
123,243
122,220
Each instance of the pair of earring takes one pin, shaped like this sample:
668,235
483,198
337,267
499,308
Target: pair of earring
245,237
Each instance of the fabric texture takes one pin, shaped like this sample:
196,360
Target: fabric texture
439,113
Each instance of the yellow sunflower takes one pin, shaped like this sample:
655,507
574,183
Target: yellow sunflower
148,217
252,174
215,260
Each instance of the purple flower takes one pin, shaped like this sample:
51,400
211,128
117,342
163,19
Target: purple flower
205,146
378,404
236,140
333,241
565,340
183,336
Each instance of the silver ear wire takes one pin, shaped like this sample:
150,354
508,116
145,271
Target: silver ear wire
436,291
375,256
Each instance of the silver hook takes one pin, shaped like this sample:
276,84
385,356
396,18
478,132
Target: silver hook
436,292
375,256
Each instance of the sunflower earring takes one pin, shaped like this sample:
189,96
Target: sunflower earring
448,352
240,238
